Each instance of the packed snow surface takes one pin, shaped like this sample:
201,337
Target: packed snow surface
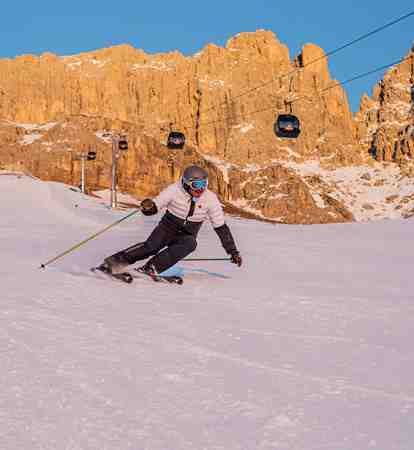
308,346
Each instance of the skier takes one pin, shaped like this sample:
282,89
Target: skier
188,204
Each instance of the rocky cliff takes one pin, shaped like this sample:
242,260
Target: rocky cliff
226,101
385,122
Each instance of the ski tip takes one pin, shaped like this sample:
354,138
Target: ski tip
177,280
128,279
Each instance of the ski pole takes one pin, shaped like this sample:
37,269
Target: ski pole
207,259
66,252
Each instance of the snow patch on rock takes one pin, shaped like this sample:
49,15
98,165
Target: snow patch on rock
212,83
104,135
152,65
370,192
223,166
244,127
30,138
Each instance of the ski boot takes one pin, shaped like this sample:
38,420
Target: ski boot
148,269
114,264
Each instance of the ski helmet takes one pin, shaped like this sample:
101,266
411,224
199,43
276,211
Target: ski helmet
194,180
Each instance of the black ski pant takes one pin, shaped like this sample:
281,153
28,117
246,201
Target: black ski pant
166,245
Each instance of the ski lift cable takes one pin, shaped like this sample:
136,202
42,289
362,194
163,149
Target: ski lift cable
357,77
322,91
292,72
325,56
320,58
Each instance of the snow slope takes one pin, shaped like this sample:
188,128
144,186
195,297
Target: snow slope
308,346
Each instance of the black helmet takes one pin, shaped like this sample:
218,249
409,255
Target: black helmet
194,180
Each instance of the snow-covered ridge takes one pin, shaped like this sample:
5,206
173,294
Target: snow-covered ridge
370,192
75,62
374,192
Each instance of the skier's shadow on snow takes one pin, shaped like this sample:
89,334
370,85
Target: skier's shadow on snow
180,271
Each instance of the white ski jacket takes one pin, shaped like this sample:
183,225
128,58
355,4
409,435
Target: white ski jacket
178,202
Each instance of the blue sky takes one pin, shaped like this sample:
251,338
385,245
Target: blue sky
70,27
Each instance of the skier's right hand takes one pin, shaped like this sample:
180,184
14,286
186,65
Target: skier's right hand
236,258
148,207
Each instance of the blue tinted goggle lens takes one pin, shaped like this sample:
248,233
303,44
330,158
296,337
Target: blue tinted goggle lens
198,184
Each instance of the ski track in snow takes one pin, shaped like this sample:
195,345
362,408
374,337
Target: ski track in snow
308,346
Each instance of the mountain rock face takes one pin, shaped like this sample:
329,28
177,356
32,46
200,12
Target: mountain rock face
226,101
385,122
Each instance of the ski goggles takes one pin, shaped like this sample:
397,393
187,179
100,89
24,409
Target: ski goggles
197,184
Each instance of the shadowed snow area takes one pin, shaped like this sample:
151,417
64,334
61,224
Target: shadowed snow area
308,346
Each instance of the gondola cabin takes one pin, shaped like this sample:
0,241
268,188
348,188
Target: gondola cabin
176,140
287,126
123,144
91,156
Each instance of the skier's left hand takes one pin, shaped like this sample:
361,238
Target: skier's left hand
148,207
236,258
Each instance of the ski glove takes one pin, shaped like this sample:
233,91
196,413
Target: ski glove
236,258
148,207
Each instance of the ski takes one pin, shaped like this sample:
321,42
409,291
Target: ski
125,277
172,279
